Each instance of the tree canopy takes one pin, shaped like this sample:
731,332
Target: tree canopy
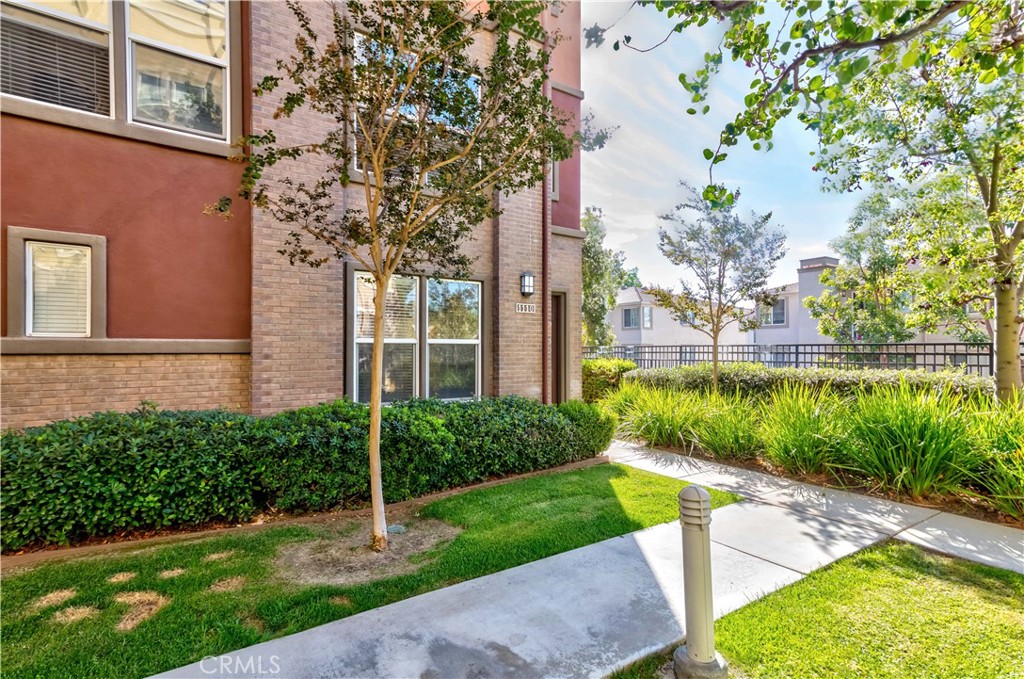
726,263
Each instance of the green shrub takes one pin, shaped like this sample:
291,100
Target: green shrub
757,380
620,402
115,472
728,429
663,417
911,441
998,434
595,426
802,428
602,376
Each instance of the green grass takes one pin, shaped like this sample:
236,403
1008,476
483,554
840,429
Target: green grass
504,526
889,612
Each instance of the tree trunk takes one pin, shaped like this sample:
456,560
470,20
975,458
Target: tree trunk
380,525
1007,341
714,362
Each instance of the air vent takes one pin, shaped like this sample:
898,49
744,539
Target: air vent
55,68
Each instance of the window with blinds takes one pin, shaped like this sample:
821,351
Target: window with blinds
57,288
401,310
53,61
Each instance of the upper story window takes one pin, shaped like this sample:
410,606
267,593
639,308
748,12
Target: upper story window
773,315
631,318
647,313
137,64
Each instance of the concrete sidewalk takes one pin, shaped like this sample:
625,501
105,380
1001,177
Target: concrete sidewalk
588,612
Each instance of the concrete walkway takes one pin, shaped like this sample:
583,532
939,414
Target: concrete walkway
588,612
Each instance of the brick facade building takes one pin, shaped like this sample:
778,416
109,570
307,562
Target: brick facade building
118,288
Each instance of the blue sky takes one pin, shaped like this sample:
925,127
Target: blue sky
635,177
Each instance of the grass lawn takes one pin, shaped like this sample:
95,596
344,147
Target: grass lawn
890,612
503,526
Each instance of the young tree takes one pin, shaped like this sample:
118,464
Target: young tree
730,260
865,297
901,90
604,275
436,132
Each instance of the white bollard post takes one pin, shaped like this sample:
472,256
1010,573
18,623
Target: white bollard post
697,659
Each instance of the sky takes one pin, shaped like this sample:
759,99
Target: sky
635,177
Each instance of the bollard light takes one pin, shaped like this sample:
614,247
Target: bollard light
697,659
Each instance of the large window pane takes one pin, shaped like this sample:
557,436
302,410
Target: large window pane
399,371
93,10
177,92
453,370
198,26
399,307
55,62
58,290
454,308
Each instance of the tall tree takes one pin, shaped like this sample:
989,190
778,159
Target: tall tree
903,90
436,133
602,271
865,297
729,261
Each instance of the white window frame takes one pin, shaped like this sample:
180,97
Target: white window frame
647,317
477,387
415,340
30,297
769,313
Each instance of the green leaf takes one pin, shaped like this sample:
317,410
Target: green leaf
910,58
708,154
816,83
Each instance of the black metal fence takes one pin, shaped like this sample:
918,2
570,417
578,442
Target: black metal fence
972,358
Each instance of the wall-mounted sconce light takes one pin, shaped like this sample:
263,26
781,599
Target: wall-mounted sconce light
526,284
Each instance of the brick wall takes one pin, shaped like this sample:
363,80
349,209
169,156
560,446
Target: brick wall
299,314
38,389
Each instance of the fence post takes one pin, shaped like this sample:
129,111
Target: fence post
697,659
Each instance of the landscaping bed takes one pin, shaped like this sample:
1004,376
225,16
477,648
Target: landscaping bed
214,595
919,438
139,472
888,612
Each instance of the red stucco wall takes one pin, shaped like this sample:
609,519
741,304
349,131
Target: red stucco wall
172,271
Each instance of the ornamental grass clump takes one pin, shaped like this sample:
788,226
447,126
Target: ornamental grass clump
728,429
998,434
803,428
910,441
663,417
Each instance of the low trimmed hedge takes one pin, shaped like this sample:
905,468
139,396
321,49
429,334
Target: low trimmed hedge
602,375
755,379
149,469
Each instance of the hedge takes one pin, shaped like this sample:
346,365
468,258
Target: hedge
602,375
755,379
114,472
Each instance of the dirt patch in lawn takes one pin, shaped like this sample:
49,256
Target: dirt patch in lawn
218,556
228,584
74,614
55,598
345,558
121,577
143,605
171,573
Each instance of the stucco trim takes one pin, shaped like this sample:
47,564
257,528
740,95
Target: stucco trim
568,232
27,346
567,89
16,238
